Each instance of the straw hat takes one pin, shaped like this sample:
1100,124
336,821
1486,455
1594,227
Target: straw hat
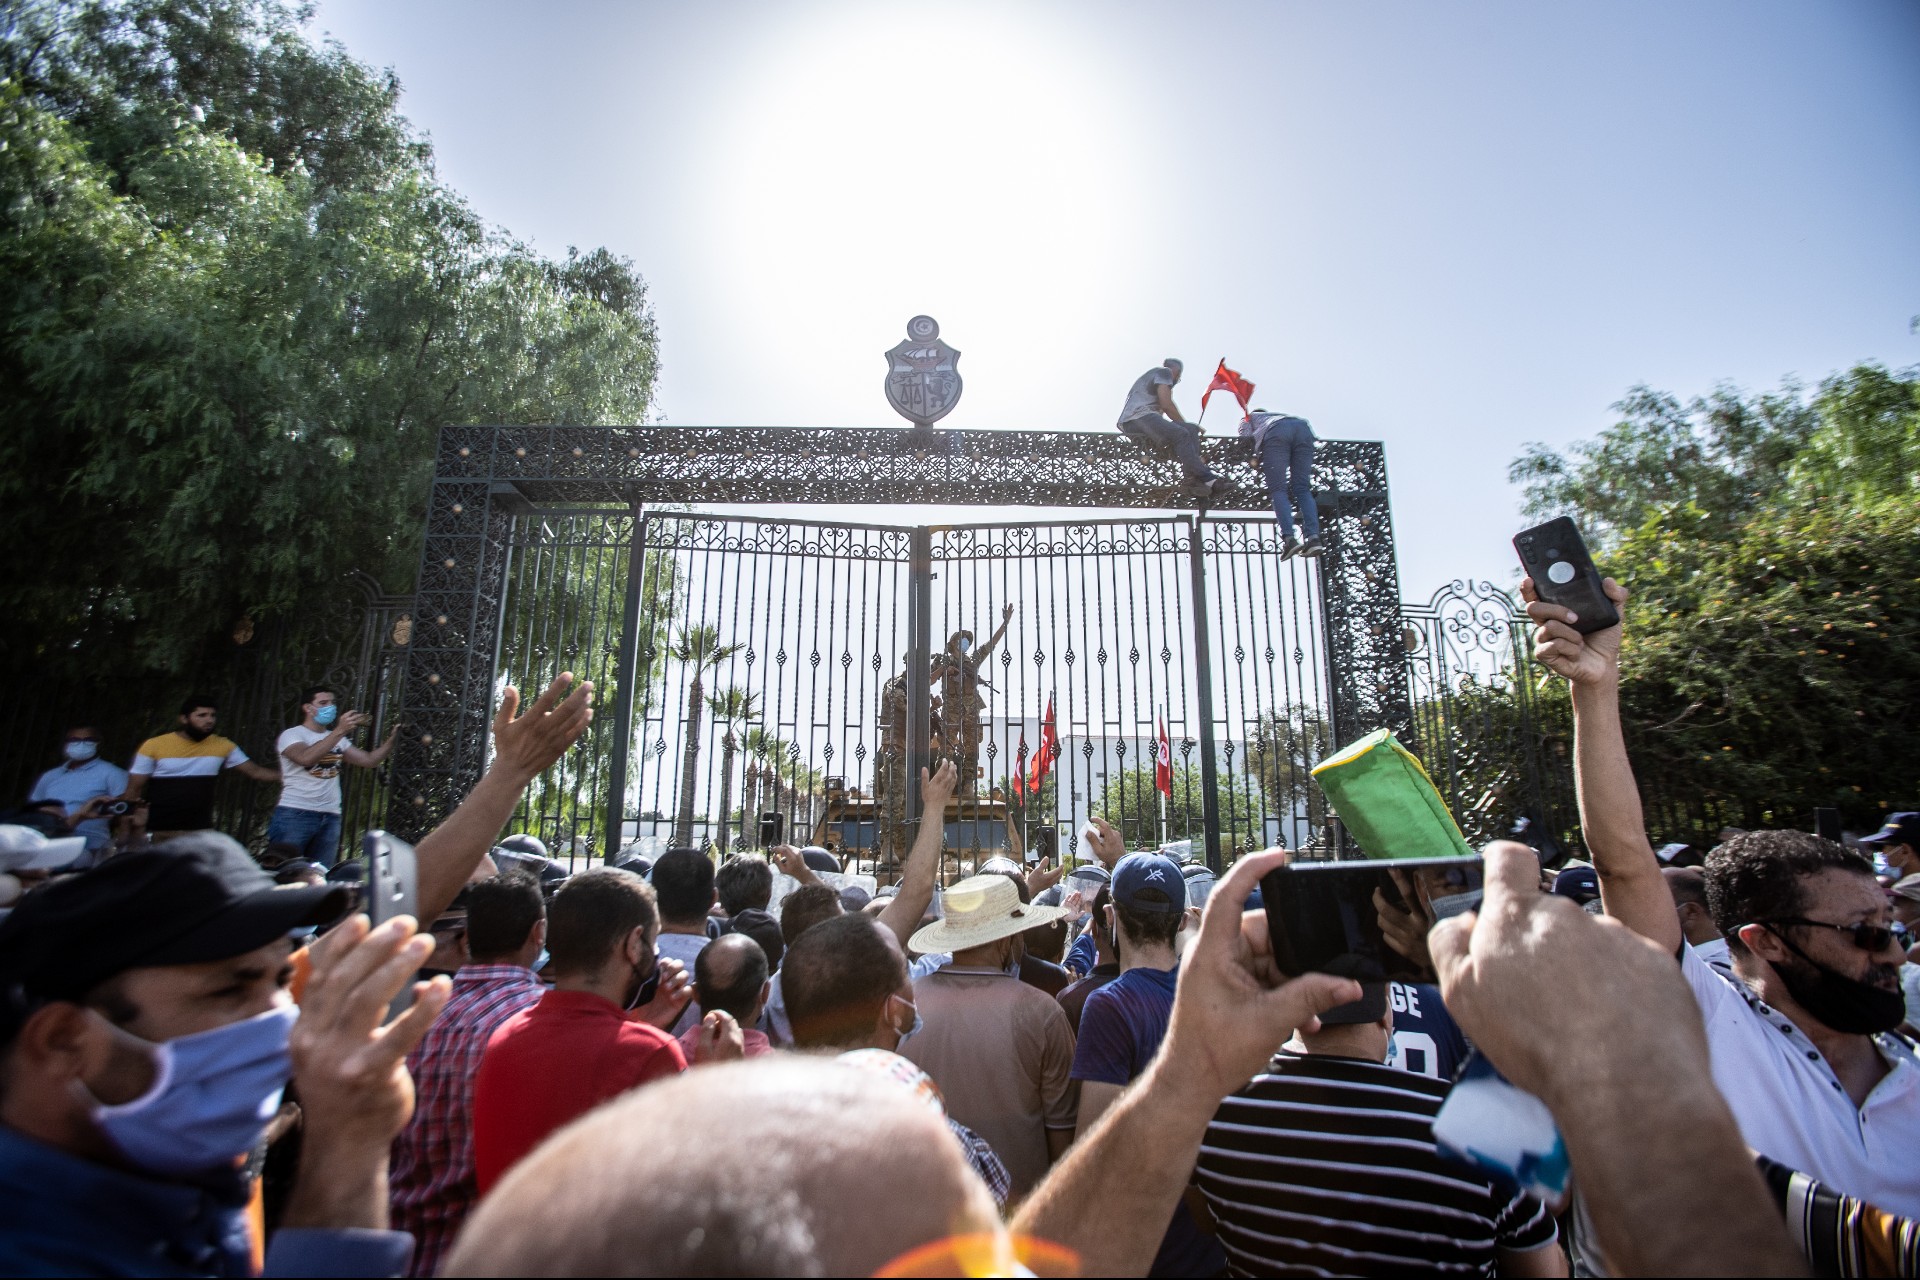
979,910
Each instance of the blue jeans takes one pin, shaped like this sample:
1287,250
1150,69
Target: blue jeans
1158,431
1287,455
315,835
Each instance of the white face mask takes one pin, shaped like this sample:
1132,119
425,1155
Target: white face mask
81,752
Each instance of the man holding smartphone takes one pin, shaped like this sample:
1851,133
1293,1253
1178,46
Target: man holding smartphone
311,753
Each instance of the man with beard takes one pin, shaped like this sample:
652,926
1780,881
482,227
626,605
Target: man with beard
176,772
1798,1028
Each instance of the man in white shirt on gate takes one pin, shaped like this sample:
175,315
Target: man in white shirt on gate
311,753
1798,1028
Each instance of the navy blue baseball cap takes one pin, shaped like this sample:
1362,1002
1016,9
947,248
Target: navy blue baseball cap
1149,882
1901,828
1582,884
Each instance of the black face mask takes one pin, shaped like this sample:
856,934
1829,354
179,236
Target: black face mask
1848,1005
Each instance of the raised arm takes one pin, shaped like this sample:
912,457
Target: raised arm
307,754
1611,819
902,915
1006,619
369,759
1230,1012
523,748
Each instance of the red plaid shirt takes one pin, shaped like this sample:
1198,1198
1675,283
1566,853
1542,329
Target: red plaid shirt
432,1183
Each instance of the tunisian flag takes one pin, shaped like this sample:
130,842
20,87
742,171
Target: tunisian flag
1163,763
1045,754
1225,379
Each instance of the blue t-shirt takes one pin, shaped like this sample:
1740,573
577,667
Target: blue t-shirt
73,787
1121,1028
1426,1039
1081,956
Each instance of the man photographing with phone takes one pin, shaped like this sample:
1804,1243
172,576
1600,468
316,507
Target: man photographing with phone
311,753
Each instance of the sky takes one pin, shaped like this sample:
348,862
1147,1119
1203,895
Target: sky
1451,228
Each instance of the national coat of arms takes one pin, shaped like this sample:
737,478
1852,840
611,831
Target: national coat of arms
922,383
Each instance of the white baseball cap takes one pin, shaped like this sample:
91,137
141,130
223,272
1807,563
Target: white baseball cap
25,849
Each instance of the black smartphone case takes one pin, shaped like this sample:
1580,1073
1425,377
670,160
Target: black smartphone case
1574,586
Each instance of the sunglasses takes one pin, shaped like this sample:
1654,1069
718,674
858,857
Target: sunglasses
1872,938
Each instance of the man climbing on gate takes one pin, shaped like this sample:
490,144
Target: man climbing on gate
1284,446
1151,418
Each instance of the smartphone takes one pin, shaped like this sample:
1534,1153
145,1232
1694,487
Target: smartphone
1491,1125
1321,916
393,878
1555,557
773,826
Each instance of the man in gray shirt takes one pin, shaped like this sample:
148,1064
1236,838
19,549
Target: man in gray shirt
1151,418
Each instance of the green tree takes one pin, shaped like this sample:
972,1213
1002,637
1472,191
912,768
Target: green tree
1280,755
1773,548
236,307
698,649
1129,800
734,708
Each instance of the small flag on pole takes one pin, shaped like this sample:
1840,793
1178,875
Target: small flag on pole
1225,379
1163,764
1045,754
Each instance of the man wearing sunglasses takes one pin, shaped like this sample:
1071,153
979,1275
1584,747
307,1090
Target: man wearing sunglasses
1800,1029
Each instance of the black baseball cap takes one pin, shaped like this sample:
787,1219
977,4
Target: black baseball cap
194,899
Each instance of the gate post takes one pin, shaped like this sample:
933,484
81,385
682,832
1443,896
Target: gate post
1360,585
919,657
628,662
447,696
1203,692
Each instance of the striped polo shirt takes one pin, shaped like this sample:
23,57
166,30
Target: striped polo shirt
1327,1166
181,774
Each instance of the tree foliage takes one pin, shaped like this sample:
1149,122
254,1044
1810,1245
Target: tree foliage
236,306
1773,548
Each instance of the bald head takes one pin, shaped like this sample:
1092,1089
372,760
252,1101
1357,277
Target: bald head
730,975
766,1158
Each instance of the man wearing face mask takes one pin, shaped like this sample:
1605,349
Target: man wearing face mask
175,772
851,993
550,1064
1000,1050
311,753
148,1033
1798,1028
82,779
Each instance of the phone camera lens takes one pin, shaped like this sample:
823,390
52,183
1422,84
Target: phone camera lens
1553,553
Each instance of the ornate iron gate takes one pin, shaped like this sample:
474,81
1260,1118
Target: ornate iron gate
1492,726
1128,620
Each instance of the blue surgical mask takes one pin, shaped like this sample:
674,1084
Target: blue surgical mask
540,961
213,1095
81,752
910,1032
326,715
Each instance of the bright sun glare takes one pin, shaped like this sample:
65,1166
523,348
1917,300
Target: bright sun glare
970,163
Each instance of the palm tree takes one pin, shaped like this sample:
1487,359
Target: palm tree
730,706
699,648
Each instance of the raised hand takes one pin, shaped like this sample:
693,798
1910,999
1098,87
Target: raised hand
719,1041
351,720
1582,659
938,787
1233,1007
349,1065
527,745
670,998
1108,845
789,860
1043,875
1405,928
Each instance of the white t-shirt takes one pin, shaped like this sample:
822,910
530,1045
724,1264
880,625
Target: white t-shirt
1791,1107
313,787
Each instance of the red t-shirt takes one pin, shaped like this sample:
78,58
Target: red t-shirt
551,1064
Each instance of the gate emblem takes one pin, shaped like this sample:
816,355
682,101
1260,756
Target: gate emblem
922,383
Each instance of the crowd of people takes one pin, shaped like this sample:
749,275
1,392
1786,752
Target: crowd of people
215,1064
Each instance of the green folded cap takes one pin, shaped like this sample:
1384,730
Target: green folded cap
1385,798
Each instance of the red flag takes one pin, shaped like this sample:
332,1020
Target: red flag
1044,755
1020,764
1225,379
1163,764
